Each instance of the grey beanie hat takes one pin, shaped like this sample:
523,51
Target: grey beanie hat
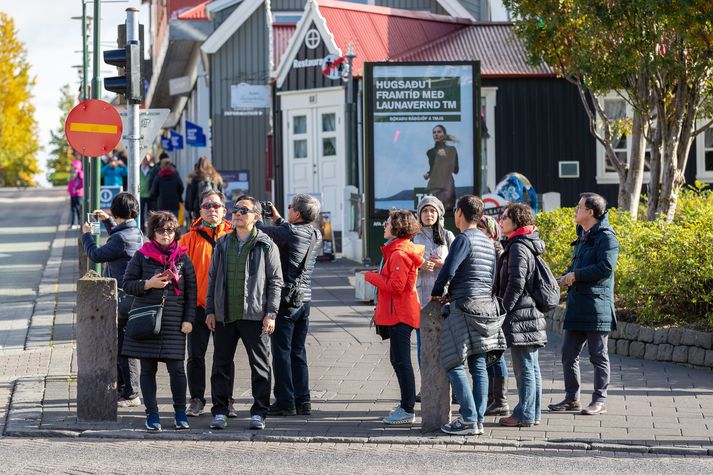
431,201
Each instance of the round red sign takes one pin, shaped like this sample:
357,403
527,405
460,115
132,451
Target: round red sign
93,128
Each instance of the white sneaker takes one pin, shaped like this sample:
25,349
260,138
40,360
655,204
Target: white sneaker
257,422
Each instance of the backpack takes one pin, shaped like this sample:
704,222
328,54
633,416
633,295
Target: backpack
543,287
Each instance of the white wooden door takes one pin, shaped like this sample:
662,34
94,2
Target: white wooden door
300,151
330,161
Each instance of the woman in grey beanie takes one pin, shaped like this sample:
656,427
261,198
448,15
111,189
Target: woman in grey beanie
437,240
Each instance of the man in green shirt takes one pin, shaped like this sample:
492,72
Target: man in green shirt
244,287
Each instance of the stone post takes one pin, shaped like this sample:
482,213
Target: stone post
96,348
435,388
83,259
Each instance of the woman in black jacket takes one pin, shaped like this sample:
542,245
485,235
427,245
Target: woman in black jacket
167,188
524,325
161,265
124,240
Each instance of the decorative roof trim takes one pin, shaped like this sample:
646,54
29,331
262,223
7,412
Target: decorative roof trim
218,5
454,8
228,28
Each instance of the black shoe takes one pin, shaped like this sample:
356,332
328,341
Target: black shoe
277,411
418,397
304,409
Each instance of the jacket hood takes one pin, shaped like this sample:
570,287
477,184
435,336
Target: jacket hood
226,225
77,165
413,251
531,240
602,225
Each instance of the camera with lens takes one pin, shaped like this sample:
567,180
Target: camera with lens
266,210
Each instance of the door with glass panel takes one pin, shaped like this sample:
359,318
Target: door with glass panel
300,151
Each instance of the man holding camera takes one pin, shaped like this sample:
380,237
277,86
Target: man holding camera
298,242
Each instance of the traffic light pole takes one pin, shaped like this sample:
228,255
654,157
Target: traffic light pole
96,90
133,135
86,169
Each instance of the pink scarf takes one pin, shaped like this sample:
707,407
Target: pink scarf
167,257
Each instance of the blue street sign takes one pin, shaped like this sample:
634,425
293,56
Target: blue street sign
106,194
176,140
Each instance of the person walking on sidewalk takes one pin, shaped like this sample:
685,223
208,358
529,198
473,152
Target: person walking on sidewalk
199,242
397,305
498,371
590,303
162,268
473,326
145,169
124,240
298,242
167,188
75,188
525,326
243,297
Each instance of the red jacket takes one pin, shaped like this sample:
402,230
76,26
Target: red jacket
397,299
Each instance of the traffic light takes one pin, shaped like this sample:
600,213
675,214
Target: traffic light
129,83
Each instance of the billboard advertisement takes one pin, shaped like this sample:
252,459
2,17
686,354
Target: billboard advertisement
422,133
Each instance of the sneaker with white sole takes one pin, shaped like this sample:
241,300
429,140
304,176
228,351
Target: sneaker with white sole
195,408
257,422
219,422
460,427
182,421
153,422
232,412
123,402
399,416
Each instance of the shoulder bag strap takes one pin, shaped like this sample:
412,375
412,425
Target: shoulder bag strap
205,236
303,265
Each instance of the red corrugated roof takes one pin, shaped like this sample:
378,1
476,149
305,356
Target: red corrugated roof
500,52
281,34
195,13
383,34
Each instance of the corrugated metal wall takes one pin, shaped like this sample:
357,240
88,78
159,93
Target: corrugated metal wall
428,5
239,142
287,5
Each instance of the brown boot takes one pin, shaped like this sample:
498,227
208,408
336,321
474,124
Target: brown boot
499,407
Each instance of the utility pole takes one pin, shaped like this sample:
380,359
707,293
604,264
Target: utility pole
86,169
132,108
96,94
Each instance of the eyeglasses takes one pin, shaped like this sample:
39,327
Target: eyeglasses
504,217
165,230
387,223
243,210
209,205
578,207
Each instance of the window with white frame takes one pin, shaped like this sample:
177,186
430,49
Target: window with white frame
704,154
616,108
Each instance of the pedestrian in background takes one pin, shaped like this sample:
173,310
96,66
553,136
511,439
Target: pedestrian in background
473,326
124,240
203,178
199,242
75,188
525,327
244,286
162,265
114,172
397,305
498,371
436,240
298,242
590,303
145,170
167,188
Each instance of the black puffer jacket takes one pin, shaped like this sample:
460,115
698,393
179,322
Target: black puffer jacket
293,240
170,344
524,325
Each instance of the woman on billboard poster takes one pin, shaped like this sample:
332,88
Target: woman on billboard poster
443,164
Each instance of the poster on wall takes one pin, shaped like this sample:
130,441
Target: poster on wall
422,132
237,182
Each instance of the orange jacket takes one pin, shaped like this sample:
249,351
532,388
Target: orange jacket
397,299
200,251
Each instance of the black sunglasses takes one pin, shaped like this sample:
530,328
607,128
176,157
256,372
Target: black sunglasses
243,210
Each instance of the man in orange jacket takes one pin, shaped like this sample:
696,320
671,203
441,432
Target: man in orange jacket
200,241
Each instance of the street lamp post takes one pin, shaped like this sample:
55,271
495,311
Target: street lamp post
96,90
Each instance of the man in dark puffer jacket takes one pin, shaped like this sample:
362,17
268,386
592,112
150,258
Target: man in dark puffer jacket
524,325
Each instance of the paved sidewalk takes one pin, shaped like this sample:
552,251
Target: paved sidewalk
653,407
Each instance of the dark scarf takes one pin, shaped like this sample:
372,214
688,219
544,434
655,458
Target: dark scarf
167,257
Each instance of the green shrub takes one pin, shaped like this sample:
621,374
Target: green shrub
664,274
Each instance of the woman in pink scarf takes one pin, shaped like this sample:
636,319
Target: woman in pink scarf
161,264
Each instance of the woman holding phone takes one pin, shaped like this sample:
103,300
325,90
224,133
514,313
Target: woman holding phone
162,268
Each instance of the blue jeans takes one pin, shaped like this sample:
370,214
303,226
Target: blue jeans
499,369
526,364
472,402
418,347
400,355
289,358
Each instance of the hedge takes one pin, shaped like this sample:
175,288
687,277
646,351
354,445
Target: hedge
664,275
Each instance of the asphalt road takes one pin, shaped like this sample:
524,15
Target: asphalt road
107,456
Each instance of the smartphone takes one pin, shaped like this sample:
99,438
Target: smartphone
94,223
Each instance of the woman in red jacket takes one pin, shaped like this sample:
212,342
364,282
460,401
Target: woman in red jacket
397,305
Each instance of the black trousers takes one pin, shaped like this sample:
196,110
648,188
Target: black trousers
225,341
177,376
197,347
127,368
74,202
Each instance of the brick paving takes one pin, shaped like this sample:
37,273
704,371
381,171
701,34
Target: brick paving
653,407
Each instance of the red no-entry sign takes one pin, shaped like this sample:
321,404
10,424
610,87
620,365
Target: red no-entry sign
93,128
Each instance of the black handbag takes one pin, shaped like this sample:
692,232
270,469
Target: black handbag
145,322
126,301
293,294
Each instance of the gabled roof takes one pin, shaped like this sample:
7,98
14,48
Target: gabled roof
500,52
230,25
195,13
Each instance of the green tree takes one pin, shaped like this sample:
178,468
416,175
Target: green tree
18,128
62,154
656,55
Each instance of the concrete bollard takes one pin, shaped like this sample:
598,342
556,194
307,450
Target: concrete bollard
83,259
96,348
435,387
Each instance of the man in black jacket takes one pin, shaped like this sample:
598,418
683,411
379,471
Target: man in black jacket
294,237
